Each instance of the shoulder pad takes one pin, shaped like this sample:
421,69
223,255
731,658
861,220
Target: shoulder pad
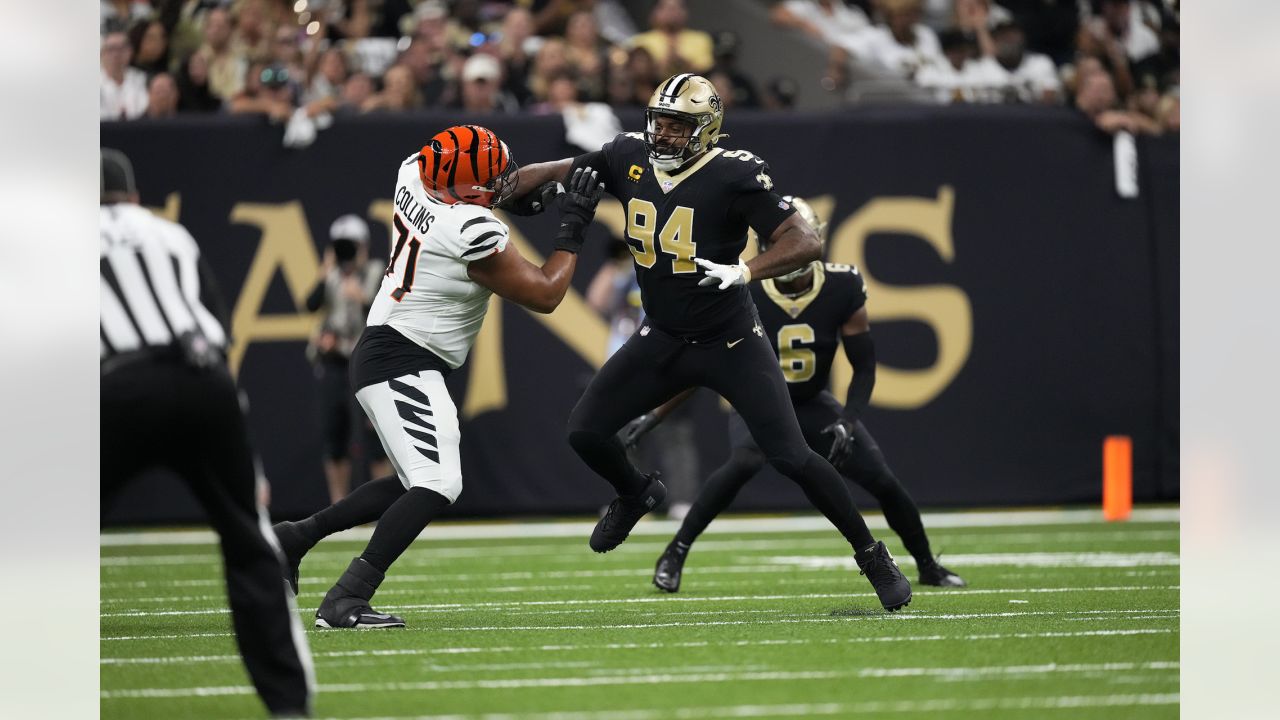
754,170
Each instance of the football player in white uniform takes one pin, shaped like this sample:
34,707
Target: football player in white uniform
450,253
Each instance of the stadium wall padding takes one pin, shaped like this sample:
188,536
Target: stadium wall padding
1022,310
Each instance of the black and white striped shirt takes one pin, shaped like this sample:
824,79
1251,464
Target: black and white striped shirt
151,284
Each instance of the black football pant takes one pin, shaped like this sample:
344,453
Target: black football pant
739,364
865,466
162,413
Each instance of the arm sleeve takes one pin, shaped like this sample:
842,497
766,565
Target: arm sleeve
315,300
861,351
481,236
594,160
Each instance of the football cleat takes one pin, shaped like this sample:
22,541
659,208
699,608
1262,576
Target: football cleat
354,614
624,513
666,576
933,573
294,546
880,568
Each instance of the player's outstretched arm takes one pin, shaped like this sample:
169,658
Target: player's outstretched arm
542,288
792,245
855,335
536,175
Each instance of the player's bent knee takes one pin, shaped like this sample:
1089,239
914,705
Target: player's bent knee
747,460
790,464
587,441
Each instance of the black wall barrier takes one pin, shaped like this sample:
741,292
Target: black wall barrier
1022,310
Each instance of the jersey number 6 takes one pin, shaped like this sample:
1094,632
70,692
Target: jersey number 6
675,239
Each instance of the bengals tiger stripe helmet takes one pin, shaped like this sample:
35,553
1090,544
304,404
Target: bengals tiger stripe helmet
467,164
689,98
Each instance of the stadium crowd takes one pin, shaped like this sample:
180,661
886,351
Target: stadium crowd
311,60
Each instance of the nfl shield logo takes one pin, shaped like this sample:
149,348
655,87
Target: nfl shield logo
666,186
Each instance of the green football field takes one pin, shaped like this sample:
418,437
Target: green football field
1065,617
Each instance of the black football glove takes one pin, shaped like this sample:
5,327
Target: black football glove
842,441
631,433
533,203
577,207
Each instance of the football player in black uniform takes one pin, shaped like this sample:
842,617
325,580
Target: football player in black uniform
688,205
806,314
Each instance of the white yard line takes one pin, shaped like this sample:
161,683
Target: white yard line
1091,615
582,528
866,708
671,599
500,649
955,674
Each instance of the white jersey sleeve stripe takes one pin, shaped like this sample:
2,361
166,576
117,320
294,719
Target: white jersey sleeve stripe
115,322
133,283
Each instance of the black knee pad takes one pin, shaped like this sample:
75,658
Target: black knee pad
747,460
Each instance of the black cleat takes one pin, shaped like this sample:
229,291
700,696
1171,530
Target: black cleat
624,513
346,605
933,573
891,586
353,613
666,576
294,546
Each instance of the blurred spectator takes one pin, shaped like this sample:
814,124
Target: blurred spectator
162,96
343,292
552,59
353,19
902,45
123,90
399,93
1051,26
326,82
831,21
621,91
226,66
551,17
674,47
268,90
427,65
1031,77
193,86
964,14
644,74
780,93
961,78
737,88
587,55
513,49
150,44
286,51
119,15
1163,66
253,32
482,87
356,91
1119,20
614,22
588,125
1097,99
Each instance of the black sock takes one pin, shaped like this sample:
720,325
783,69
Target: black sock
900,511
606,456
400,524
828,492
718,492
364,505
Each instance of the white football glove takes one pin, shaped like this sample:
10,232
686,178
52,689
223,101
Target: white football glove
726,275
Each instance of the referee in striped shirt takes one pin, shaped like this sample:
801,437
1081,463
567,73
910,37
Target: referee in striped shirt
169,400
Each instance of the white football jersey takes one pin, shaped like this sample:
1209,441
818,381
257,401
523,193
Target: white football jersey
426,295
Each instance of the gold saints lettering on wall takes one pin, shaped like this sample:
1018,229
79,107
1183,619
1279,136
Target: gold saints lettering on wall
944,308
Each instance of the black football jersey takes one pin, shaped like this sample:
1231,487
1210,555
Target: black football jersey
805,329
702,212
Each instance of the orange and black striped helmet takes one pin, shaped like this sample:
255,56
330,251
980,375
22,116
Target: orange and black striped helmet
468,164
